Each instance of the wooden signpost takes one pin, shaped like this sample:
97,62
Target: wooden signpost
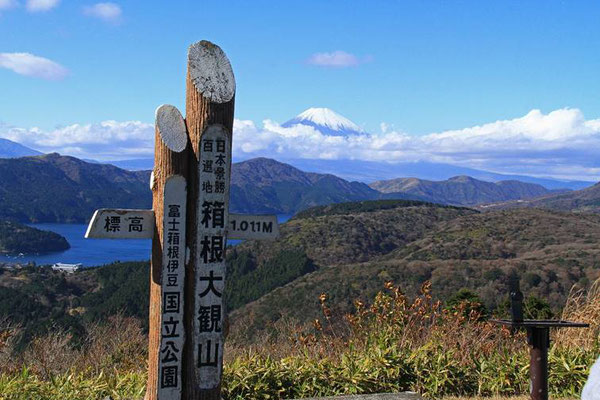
189,225
212,215
116,224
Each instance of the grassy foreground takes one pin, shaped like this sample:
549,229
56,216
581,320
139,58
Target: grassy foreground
391,345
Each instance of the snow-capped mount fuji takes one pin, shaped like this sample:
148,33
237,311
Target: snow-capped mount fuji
326,121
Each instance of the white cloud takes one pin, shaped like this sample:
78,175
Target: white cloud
337,59
561,143
29,65
110,12
6,4
107,140
41,5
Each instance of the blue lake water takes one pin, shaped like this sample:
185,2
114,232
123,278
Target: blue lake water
94,252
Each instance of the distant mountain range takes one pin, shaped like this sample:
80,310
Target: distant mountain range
461,190
585,200
370,171
55,188
268,186
330,123
10,149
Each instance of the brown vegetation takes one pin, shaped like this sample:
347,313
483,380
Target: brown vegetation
117,344
389,344
550,250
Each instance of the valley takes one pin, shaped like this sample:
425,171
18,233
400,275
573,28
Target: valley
348,251
299,200
551,251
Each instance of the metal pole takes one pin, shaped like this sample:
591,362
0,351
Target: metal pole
539,340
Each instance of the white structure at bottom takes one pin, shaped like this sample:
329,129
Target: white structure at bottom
591,390
69,268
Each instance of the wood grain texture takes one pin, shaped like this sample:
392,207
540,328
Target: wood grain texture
201,111
210,72
166,164
171,127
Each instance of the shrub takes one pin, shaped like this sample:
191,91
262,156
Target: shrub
469,303
393,344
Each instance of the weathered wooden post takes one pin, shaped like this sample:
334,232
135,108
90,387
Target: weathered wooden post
210,96
166,225
189,224
169,198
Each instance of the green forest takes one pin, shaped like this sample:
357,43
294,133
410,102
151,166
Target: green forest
17,238
348,251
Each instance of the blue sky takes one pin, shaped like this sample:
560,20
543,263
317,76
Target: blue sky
420,67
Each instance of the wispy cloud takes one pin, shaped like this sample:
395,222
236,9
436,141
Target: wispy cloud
337,59
6,4
30,65
109,12
41,5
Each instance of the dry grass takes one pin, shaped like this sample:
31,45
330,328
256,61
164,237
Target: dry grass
8,336
116,345
581,306
393,344
412,325
502,398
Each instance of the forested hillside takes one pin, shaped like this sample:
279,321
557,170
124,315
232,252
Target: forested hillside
551,251
17,238
267,186
54,188
461,190
585,200
348,251
38,298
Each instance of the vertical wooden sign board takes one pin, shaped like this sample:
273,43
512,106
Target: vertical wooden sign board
214,171
173,277
169,185
186,316
209,104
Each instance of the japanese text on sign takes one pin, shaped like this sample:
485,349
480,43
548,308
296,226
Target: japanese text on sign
213,208
173,276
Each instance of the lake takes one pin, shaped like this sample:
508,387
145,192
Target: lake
94,252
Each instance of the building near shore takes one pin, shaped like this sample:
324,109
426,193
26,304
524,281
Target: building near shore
68,268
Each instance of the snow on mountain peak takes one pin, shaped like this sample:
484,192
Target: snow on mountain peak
328,118
325,120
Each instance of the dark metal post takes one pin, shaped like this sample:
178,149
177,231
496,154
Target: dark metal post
539,340
516,299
